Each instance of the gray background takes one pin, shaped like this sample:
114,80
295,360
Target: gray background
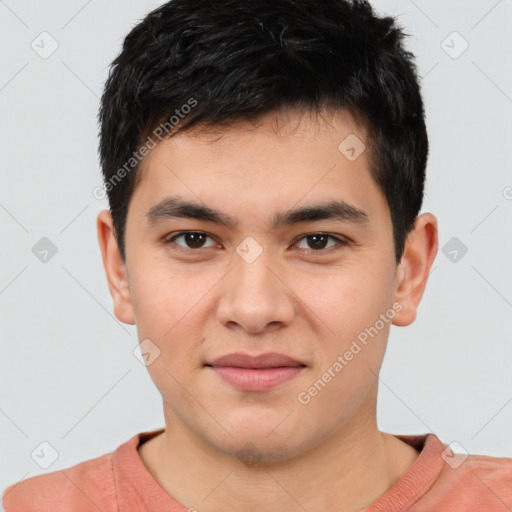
69,376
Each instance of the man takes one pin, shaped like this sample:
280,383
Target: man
265,165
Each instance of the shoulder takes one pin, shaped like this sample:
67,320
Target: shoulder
87,486
480,481
495,471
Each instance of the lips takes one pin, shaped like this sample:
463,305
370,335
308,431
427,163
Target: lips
267,360
260,373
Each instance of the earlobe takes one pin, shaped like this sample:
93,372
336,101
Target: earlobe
115,268
414,268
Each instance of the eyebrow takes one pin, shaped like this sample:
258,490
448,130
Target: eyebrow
176,207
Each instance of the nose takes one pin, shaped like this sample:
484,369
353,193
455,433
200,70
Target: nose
255,296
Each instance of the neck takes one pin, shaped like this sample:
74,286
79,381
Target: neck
348,471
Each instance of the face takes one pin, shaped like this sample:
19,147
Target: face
240,274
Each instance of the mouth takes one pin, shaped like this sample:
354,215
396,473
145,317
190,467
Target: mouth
256,373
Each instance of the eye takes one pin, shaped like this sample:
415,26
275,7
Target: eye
193,239
318,242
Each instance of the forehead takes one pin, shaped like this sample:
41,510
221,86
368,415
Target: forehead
268,165
283,126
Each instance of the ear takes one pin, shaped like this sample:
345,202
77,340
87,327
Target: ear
414,267
115,268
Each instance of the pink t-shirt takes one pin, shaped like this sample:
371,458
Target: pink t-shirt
120,482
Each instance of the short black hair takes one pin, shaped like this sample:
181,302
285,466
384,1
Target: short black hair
207,63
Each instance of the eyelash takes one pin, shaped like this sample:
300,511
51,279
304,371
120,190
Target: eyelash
340,242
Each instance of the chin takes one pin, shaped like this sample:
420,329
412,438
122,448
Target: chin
252,451
264,442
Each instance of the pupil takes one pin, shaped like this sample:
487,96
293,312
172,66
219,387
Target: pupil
315,239
192,240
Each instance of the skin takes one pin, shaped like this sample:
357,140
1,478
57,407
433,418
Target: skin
329,453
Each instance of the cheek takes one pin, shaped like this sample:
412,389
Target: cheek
161,296
350,348
349,306
166,309
345,301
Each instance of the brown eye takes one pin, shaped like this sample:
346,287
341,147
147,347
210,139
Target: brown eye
193,240
317,242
